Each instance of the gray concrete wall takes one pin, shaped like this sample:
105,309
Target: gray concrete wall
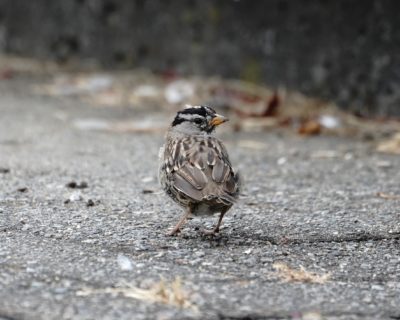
346,50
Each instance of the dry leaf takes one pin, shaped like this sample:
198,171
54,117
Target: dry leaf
311,127
291,275
390,146
270,109
170,293
388,196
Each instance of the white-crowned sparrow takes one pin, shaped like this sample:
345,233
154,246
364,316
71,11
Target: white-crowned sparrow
195,170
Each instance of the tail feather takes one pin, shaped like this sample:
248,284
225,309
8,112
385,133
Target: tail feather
225,199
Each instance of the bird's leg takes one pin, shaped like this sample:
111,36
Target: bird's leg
178,226
212,232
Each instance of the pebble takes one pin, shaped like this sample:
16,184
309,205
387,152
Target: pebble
124,263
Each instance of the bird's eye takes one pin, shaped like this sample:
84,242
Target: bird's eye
198,121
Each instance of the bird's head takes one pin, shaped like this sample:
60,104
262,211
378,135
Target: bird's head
197,119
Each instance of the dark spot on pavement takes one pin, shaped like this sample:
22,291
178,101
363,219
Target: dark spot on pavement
147,191
75,185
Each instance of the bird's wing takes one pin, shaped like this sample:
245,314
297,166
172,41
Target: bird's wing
202,170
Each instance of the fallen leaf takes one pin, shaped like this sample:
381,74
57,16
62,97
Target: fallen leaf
388,196
310,127
272,106
391,145
291,275
270,110
170,293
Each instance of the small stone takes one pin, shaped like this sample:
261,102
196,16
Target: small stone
71,184
75,185
25,227
147,179
281,161
76,196
124,263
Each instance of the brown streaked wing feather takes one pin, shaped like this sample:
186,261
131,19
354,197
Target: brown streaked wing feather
193,175
193,170
187,188
230,184
219,171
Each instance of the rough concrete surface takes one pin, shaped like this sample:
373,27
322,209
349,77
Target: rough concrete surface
97,252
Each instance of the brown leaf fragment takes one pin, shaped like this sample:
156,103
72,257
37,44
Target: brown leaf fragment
271,109
391,145
310,127
388,196
288,274
169,293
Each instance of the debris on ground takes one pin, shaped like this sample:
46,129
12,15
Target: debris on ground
125,264
388,196
4,170
391,145
170,293
310,127
288,274
74,197
251,107
147,191
76,185
90,203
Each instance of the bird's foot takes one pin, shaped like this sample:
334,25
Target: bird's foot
173,232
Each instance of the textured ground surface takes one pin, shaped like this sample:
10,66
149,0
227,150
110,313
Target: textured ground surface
302,207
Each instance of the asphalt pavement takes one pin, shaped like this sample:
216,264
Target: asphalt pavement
315,235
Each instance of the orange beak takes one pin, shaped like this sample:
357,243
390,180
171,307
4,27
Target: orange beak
217,120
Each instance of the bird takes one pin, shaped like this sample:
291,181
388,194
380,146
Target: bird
195,170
